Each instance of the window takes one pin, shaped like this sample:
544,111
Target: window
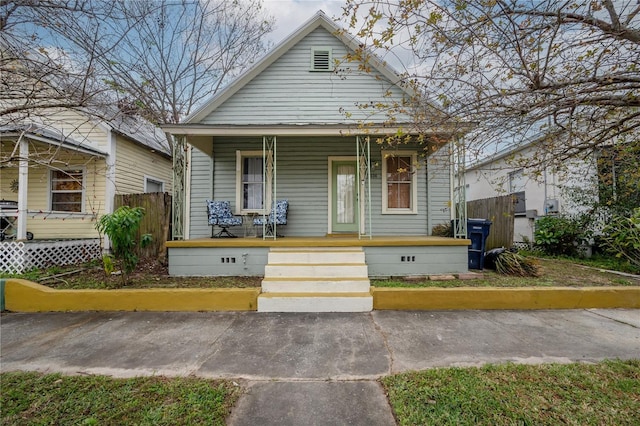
399,185
321,59
517,182
249,182
153,185
67,190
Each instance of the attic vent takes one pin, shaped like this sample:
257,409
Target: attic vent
321,59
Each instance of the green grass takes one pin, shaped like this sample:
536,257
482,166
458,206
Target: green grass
553,273
35,399
607,393
611,263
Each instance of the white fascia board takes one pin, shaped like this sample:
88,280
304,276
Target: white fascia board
303,130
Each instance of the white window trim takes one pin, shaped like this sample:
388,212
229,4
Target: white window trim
315,49
239,210
50,190
414,182
154,180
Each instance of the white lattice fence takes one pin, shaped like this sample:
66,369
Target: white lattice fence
18,257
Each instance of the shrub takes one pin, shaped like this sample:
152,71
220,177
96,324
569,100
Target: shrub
121,227
442,230
559,235
622,237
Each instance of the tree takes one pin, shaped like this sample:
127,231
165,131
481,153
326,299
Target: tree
567,71
159,59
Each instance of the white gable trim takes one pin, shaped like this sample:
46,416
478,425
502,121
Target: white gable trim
318,20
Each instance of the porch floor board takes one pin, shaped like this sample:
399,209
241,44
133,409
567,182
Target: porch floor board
331,241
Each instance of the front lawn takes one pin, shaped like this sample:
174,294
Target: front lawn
607,393
37,399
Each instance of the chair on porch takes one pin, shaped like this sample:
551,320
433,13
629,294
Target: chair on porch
220,214
277,217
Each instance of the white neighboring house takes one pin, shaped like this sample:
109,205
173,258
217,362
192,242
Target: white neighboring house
536,194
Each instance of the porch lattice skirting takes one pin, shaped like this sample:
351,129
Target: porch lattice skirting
17,257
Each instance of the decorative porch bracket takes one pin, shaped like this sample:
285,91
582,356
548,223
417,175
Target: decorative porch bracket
269,178
459,184
363,176
178,196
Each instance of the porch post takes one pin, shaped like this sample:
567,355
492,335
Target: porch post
458,188
363,176
269,185
23,182
178,199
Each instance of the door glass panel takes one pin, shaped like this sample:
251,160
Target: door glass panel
346,191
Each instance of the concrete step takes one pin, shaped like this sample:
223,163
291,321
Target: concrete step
315,257
325,270
315,285
315,302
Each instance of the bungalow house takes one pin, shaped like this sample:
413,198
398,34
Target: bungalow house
60,171
304,125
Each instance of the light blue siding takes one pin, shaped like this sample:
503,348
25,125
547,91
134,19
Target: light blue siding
302,178
287,92
201,189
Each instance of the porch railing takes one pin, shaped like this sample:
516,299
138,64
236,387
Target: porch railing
17,257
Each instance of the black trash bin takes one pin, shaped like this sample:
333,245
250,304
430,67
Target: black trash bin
477,232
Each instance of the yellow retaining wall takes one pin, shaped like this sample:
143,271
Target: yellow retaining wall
26,296
505,298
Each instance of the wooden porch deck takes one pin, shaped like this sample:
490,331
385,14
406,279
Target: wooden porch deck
327,241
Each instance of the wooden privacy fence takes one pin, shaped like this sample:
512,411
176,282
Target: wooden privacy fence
500,211
156,221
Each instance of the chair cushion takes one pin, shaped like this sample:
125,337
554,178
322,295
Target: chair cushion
219,213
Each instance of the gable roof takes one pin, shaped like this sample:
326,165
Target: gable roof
318,20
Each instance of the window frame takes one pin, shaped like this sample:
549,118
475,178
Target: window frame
240,156
148,179
413,209
51,191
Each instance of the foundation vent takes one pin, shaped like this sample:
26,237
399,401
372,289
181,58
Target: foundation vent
407,258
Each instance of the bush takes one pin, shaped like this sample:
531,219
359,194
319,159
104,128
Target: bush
508,262
121,227
559,235
622,237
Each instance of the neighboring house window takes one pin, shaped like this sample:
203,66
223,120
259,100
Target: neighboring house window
153,185
517,183
399,183
67,190
249,182
321,59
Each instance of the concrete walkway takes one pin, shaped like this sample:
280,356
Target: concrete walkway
305,369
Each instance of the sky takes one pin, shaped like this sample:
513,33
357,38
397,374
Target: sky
291,14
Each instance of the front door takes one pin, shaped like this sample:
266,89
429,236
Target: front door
344,200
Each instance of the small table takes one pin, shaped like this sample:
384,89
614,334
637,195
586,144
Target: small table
247,224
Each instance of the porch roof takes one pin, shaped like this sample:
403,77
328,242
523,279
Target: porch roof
49,136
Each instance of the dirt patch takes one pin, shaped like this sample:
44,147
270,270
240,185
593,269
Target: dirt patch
149,273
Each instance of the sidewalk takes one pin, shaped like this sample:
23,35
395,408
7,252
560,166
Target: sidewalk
304,369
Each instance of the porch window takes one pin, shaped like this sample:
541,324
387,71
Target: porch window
399,183
249,182
67,190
